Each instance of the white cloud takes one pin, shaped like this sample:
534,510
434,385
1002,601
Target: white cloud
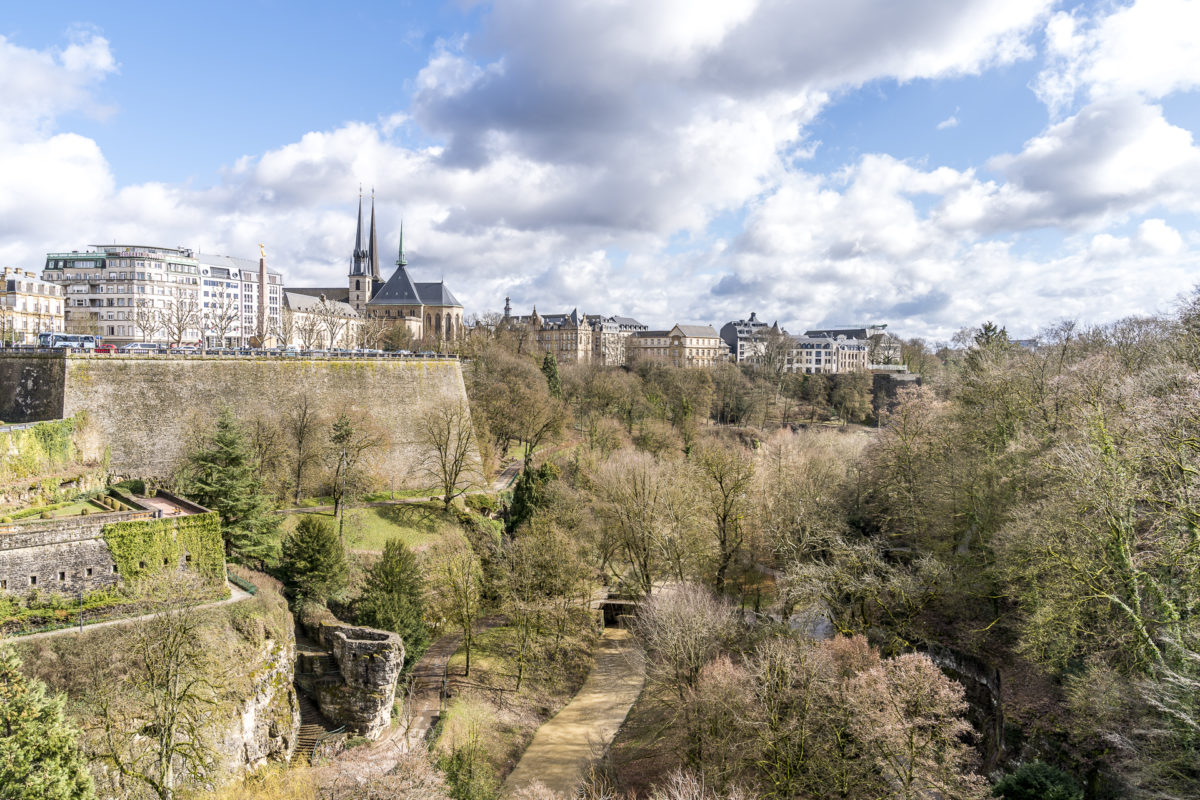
949,122
583,153
1147,48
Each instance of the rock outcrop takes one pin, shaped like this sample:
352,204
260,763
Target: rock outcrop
267,721
350,673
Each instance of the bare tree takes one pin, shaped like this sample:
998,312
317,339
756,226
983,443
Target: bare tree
154,727
222,315
724,475
146,318
348,445
445,433
457,586
284,328
332,319
371,330
178,318
309,329
302,425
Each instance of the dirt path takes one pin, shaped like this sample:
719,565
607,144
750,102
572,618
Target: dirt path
235,595
564,746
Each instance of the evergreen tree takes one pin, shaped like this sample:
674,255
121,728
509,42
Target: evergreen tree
394,599
530,494
550,370
222,474
313,560
39,757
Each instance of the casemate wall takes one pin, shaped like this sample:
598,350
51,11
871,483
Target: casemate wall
150,410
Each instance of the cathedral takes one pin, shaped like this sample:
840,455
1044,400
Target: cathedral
430,311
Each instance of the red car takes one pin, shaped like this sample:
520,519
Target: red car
106,348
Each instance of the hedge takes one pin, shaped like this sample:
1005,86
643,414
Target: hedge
152,541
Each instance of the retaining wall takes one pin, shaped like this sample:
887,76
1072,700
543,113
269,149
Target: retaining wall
151,410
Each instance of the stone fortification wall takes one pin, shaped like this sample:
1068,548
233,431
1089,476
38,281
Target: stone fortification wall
64,555
151,410
31,386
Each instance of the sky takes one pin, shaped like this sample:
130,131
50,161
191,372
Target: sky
924,164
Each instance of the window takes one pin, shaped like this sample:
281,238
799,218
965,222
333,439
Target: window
62,576
115,571
89,572
33,580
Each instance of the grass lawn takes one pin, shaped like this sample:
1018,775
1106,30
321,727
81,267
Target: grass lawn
373,497
68,510
552,677
417,526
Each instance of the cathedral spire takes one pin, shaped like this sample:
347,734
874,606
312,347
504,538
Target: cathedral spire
401,261
356,263
373,246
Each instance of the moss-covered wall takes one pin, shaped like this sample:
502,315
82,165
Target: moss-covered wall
152,410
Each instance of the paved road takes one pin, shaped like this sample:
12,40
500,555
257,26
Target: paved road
577,735
236,595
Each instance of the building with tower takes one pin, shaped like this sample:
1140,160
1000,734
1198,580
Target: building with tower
428,311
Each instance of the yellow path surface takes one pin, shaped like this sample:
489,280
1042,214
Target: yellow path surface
564,747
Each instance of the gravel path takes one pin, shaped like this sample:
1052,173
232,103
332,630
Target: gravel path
578,734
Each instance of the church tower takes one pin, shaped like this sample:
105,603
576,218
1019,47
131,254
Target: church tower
360,276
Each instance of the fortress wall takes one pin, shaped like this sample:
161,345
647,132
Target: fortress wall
31,387
152,410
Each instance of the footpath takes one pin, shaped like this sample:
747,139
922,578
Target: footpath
572,739
235,595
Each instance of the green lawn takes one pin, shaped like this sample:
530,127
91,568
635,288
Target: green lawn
66,510
373,497
417,526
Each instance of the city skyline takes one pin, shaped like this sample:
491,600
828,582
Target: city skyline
926,167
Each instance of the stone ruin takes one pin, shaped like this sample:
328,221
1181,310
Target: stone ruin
350,672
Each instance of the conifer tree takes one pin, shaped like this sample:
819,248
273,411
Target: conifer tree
550,370
313,559
39,757
223,475
394,599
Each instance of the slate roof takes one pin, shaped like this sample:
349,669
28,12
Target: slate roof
307,303
339,293
398,291
698,331
436,294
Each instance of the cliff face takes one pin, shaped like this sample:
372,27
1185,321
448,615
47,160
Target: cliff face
268,719
351,673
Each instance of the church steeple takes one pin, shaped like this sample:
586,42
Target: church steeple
401,261
358,265
373,245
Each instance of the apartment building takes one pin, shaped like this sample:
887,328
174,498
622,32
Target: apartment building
681,346
123,292
232,304
823,355
28,306
745,338
882,347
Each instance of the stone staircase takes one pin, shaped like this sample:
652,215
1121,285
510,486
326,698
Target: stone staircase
313,728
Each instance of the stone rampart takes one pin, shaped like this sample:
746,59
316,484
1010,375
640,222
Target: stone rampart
31,386
60,555
152,409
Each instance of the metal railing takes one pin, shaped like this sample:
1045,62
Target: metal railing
239,353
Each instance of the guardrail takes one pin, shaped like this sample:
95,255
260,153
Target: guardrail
242,583
280,354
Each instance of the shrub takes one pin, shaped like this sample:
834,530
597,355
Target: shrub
45,515
1037,781
313,559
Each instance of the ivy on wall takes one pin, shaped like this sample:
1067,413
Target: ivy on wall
30,451
141,546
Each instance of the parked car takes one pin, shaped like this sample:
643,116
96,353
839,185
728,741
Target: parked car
106,347
140,347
